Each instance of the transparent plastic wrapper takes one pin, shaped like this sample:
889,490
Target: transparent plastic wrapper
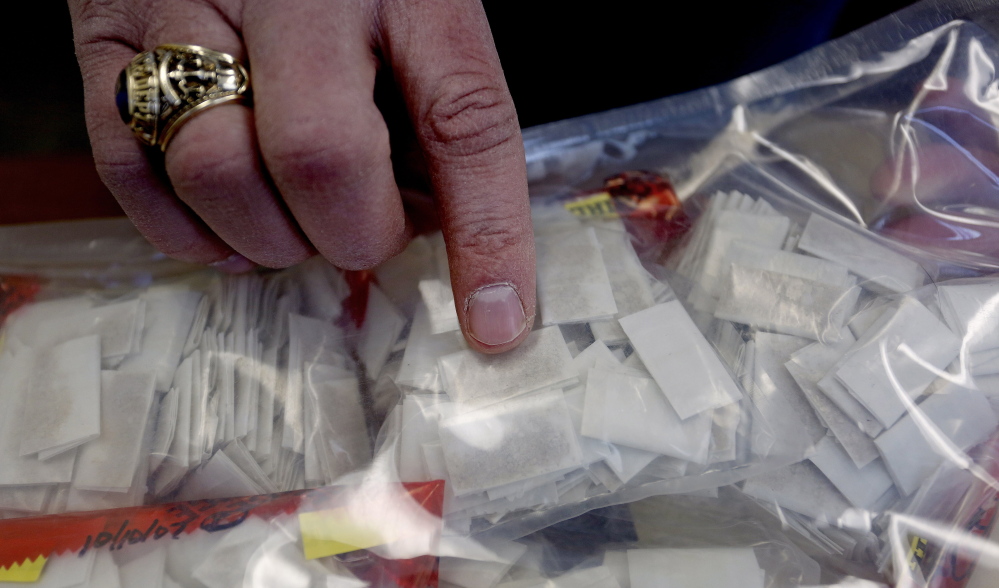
665,541
787,321
187,386
717,538
371,534
842,209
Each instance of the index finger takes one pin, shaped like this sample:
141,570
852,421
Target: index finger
447,67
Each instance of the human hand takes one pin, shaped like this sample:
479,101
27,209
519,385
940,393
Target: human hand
308,168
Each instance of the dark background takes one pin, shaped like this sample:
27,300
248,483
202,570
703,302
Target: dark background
560,63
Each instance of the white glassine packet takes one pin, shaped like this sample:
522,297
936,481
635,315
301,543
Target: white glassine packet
541,362
729,568
904,350
864,486
950,420
511,441
573,285
880,268
419,367
15,469
170,313
630,282
110,462
680,359
438,301
785,303
782,406
971,310
383,323
63,399
630,410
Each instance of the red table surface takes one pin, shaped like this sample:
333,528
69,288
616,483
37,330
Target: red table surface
52,188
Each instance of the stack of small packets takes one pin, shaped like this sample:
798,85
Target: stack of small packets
790,358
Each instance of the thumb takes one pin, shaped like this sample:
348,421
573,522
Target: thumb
449,73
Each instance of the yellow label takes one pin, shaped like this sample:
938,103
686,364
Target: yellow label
917,551
332,532
597,206
29,571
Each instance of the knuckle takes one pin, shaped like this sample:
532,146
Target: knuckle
98,21
470,115
90,11
308,157
340,159
211,182
360,243
488,232
180,21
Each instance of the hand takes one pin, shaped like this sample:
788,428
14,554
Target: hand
308,168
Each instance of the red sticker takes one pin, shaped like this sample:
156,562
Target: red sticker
15,292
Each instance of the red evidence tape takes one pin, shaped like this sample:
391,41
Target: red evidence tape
25,539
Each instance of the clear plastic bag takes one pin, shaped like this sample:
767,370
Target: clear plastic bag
776,348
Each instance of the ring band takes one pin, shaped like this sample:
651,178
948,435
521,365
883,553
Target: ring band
162,89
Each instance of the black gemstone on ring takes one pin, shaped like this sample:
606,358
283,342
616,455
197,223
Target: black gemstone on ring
121,96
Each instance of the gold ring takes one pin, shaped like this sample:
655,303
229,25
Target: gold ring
162,89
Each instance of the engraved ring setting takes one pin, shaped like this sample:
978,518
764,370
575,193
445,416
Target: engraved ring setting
160,90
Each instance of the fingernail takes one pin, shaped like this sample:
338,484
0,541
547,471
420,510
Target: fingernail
495,314
234,264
